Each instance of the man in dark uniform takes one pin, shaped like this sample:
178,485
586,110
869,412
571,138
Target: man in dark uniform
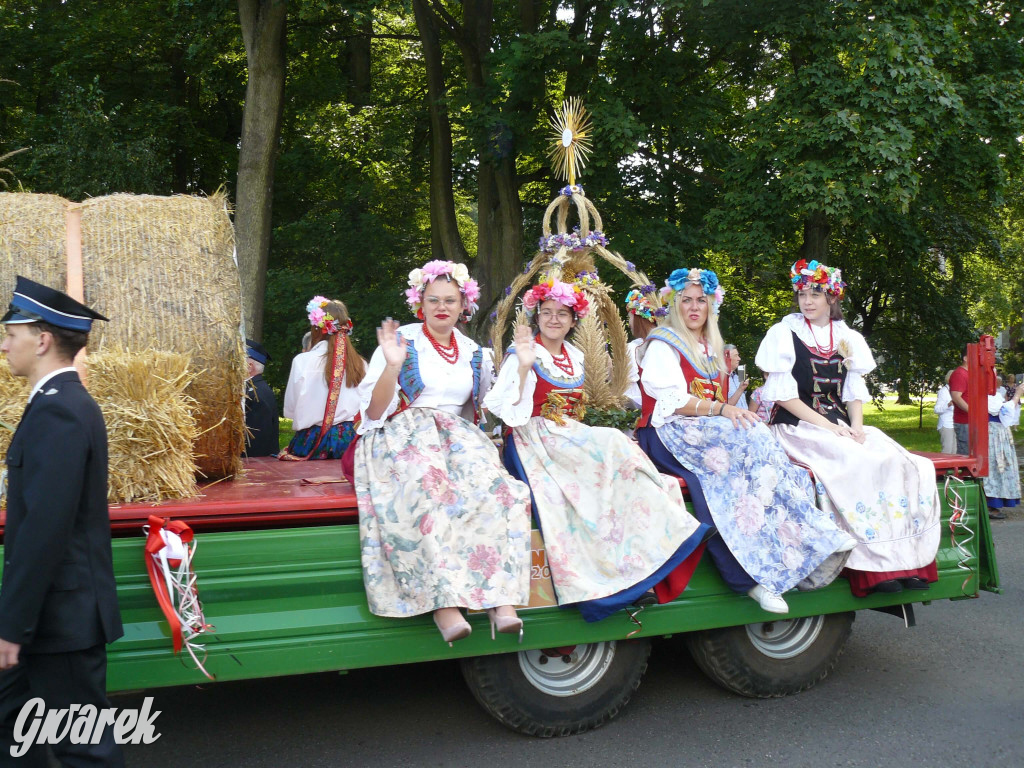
58,602
260,405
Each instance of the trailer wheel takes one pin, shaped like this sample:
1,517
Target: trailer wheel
772,658
558,691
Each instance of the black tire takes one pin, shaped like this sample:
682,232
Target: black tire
571,691
775,658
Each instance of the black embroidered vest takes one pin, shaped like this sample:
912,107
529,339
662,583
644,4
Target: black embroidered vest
820,384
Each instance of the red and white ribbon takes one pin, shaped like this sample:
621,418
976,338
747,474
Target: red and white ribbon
170,547
958,527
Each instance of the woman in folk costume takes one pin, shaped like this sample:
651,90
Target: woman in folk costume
642,320
613,526
771,536
814,366
442,525
321,397
1002,486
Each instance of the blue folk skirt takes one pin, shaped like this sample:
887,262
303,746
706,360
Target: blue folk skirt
332,446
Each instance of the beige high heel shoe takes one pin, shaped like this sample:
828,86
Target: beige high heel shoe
508,625
453,632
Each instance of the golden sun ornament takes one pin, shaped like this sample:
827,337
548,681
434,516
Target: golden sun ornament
572,144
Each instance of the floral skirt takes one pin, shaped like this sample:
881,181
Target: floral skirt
1002,486
441,522
884,495
762,505
610,520
333,446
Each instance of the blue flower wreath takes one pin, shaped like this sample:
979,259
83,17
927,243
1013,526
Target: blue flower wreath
679,279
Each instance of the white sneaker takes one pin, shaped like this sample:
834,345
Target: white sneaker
768,601
848,545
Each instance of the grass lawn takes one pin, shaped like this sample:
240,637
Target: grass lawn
900,423
897,421
285,435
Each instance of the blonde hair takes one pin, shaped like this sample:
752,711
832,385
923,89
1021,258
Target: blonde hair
691,342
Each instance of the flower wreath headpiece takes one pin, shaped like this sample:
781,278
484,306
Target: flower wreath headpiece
638,303
419,279
552,288
705,278
318,318
804,275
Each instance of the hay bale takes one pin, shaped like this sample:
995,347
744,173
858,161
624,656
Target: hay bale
13,395
163,270
32,239
150,419
151,423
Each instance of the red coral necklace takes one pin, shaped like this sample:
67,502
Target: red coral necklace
450,353
826,353
562,361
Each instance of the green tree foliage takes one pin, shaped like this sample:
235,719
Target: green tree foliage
883,138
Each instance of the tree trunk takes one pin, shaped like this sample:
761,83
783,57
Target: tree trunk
360,64
445,241
816,232
903,391
263,31
499,228
500,212
181,156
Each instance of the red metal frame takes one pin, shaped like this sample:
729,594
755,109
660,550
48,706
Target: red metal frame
981,382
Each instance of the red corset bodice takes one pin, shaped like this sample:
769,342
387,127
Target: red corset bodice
700,387
558,403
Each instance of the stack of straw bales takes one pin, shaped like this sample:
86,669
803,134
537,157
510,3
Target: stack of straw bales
150,420
151,423
13,395
163,270
32,240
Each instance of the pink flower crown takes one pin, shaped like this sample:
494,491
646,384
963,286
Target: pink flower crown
419,279
318,318
568,294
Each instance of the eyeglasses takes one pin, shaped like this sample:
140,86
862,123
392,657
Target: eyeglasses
547,314
434,302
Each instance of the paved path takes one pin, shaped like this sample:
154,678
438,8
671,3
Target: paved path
947,693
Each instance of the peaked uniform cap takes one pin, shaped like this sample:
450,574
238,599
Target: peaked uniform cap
256,351
34,303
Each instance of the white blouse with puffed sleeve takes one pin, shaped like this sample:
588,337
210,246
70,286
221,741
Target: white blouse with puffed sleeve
504,401
776,357
663,380
446,387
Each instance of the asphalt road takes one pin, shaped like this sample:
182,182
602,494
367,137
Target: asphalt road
949,692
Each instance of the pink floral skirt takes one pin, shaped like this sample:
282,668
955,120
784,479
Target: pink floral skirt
609,518
441,522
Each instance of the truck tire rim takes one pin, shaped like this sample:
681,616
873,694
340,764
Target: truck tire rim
568,675
785,638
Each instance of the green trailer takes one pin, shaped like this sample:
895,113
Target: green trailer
278,568
279,576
